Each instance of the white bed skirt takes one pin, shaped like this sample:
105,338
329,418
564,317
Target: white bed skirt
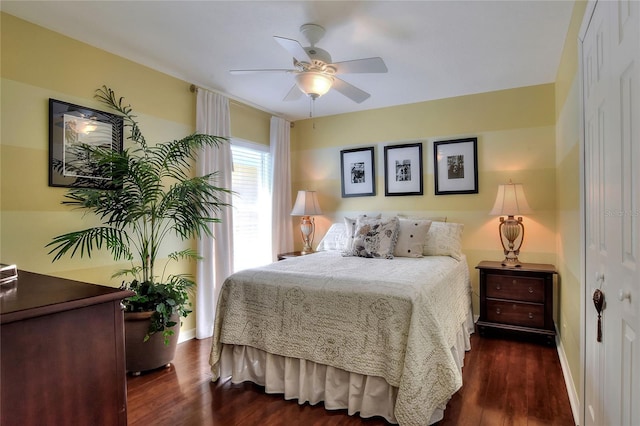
310,382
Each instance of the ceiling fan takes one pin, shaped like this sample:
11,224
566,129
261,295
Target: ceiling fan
314,72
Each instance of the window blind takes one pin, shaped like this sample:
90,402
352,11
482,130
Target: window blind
251,180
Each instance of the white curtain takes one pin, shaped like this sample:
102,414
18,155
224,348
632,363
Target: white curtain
282,239
213,118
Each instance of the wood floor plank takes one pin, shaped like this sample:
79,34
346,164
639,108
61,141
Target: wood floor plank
516,403
505,382
494,401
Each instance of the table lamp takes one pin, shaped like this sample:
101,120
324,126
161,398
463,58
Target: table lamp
511,202
306,206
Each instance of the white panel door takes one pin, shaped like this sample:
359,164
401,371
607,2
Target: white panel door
611,89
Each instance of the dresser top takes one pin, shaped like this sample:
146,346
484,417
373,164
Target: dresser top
33,295
527,267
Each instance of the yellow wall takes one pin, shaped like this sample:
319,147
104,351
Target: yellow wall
568,161
516,140
38,64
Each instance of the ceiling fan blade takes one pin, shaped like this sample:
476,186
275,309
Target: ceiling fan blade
369,65
350,91
239,72
294,94
294,48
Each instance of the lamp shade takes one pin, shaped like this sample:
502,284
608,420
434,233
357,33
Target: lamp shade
314,84
510,201
306,204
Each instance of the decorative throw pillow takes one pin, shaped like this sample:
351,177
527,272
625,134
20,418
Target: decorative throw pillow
412,234
375,238
351,225
444,239
335,238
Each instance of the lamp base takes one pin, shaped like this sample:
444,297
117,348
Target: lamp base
510,229
511,262
307,230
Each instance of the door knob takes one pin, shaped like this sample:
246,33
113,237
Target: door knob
624,294
598,302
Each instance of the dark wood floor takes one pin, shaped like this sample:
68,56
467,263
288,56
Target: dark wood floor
506,382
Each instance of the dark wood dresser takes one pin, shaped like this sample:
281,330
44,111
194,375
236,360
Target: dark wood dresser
517,299
62,354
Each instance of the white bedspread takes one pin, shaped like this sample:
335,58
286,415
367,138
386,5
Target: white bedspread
396,319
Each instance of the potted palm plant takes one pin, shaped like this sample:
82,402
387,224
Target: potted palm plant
152,195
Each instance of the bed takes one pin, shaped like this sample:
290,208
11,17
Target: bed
378,337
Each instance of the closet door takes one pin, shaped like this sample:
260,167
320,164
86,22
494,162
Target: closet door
611,93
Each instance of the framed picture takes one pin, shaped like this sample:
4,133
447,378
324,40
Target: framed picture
456,166
358,172
73,128
403,169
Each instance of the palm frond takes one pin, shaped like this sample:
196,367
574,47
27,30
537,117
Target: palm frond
133,271
190,254
108,97
193,204
176,156
88,240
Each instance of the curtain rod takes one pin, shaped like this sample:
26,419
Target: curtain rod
194,89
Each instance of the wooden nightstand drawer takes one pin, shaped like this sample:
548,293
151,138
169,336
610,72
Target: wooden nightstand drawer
522,314
515,287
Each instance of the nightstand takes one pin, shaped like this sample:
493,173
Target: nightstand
283,256
517,299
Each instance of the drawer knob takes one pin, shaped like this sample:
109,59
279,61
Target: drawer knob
530,289
498,287
498,311
515,281
530,315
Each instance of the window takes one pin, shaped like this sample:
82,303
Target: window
251,181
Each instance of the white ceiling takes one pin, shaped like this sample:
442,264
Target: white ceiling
433,49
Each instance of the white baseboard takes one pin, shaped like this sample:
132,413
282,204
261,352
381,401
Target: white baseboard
186,335
574,400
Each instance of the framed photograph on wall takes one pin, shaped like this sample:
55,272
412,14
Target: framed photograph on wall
455,166
358,172
73,131
403,169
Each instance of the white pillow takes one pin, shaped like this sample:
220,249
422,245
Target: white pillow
412,235
444,239
335,238
375,238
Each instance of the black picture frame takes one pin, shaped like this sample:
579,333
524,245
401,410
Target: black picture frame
72,126
455,166
358,172
403,169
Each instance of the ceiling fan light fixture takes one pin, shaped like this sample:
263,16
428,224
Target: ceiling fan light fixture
314,84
